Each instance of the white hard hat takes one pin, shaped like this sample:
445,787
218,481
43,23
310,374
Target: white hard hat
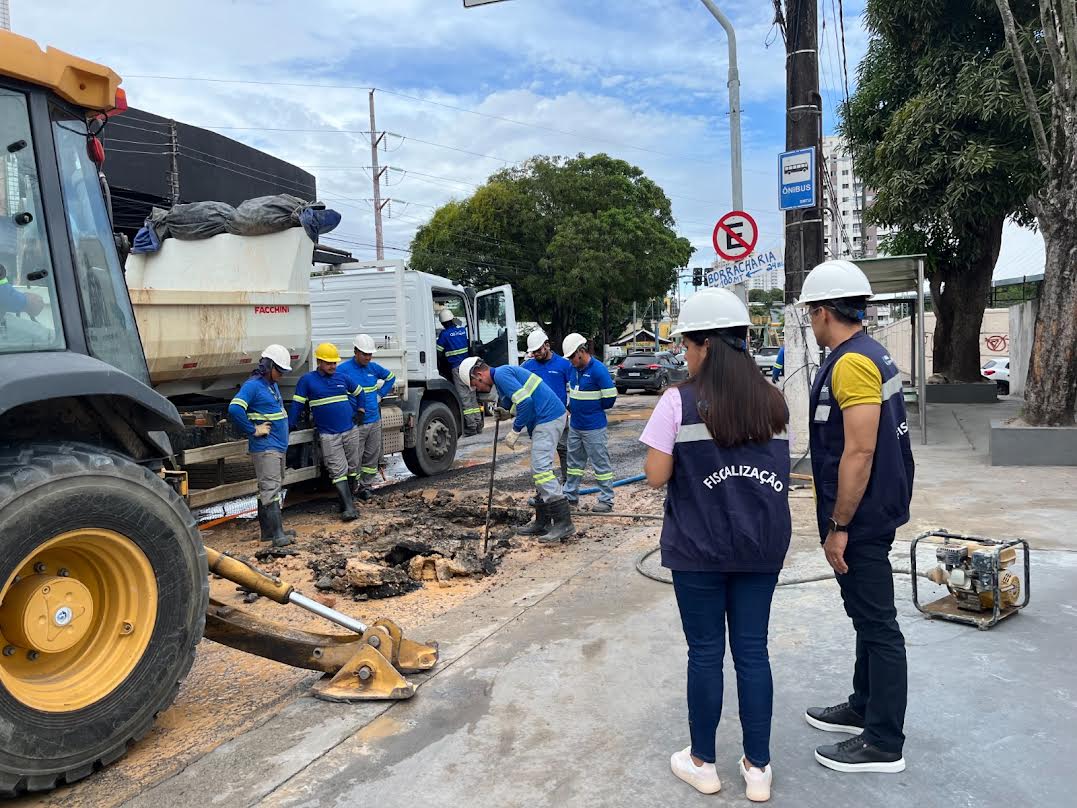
446,315
364,343
536,339
465,369
711,309
280,356
572,343
832,280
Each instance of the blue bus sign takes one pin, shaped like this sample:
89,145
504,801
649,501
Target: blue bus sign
796,179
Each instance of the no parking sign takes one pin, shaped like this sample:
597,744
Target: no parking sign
735,235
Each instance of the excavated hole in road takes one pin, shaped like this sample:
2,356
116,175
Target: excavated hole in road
403,541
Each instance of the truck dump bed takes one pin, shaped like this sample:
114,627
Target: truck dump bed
206,309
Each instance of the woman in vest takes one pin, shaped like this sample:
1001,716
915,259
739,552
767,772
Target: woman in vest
718,443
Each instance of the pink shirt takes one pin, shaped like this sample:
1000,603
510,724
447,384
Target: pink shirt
665,422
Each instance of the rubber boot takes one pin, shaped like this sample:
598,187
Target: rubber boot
540,524
562,526
265,530
275,526
365,493
347,504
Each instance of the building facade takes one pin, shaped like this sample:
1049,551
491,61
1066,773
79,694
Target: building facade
844,232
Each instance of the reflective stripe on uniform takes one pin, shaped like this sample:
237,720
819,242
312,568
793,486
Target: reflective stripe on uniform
699,432
609,392
530,386
457,352
603,477
822,413
576,472
318,402
340,479
892,387
239,403
544,477
369,470
273,416
472,410
587,395
300,399
441,349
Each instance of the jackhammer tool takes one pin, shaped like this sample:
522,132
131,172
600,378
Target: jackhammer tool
367,665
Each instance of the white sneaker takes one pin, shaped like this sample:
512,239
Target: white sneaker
702,778
756,782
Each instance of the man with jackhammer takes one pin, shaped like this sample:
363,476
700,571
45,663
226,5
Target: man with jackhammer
369,383
333,409
592,393
556,371
258,412
862,466
542,414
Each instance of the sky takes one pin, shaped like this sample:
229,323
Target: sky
465,92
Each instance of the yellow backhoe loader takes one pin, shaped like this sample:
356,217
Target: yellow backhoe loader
104,575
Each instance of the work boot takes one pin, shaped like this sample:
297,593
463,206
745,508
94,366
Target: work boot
601,507
347,504
541,523
562,526
275,526
265,531
365,493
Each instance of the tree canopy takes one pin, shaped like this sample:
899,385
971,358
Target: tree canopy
936,128
578,238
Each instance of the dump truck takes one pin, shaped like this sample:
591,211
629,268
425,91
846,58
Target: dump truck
104,592
206,309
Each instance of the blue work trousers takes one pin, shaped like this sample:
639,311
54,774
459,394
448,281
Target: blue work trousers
708,602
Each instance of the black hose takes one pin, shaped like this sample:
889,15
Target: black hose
829,576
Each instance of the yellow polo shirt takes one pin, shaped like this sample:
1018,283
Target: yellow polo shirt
856,380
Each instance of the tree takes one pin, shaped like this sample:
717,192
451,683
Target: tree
1051,387
579,239
937,129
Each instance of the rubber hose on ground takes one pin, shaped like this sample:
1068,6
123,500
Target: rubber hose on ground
792,582
616,483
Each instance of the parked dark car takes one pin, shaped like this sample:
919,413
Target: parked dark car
648,371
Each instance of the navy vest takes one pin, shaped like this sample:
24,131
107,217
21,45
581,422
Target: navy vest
727,510
885,505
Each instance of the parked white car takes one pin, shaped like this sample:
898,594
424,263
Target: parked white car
998,371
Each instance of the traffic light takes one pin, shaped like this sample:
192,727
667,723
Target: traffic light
697,276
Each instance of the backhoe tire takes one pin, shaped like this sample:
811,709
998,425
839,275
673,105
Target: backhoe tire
435,441
117,542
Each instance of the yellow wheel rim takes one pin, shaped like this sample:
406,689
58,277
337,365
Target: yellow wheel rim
75,618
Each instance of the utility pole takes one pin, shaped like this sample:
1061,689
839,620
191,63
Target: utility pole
803,128
375,139
173,174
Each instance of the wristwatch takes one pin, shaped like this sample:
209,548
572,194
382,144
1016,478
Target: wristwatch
835,527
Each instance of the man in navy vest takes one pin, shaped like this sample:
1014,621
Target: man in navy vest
863,473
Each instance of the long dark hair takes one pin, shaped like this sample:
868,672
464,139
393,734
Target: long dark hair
734,399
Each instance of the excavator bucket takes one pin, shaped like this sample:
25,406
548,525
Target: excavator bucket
365,665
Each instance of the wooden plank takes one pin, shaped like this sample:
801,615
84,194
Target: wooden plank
233,449
208,496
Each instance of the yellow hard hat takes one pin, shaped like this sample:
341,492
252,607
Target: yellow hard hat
327,352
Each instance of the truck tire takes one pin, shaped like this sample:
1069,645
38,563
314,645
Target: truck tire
435,441
103,602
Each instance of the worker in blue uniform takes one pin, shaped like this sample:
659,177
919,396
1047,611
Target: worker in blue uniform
592,393
555,371
777,370
541,413
257,411
369,382
453,344
333,408
862,466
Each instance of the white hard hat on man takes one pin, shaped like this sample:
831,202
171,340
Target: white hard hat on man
536,339
834,280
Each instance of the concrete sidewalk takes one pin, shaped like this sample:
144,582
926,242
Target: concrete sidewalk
577,699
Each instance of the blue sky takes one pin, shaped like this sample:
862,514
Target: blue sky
643,81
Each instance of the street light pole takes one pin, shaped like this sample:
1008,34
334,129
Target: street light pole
734,105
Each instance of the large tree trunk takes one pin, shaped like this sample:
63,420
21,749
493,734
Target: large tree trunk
960,304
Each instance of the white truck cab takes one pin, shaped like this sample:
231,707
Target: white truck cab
399,308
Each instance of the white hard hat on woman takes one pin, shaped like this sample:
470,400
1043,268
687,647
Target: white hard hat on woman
711,309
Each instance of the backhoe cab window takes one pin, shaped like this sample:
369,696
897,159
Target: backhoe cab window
29,314
106,306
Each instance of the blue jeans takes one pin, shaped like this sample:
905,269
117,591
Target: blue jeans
707,602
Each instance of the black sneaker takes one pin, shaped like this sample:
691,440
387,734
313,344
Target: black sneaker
839,718
857,755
